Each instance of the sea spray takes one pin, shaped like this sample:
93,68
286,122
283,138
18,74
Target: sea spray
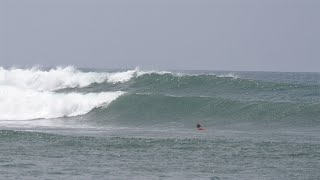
58,78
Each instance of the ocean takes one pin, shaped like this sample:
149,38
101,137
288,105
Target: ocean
69,123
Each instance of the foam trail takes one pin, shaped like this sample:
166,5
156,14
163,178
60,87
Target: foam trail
21,104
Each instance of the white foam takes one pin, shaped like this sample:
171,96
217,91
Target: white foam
230,75
58,78
22,104
141,73
70,77
179,74
121,76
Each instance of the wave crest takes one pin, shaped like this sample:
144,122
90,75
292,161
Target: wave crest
58,78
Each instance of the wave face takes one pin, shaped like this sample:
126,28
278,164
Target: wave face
137,98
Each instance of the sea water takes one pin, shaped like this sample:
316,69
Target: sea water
69,123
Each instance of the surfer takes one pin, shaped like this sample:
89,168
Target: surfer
199,127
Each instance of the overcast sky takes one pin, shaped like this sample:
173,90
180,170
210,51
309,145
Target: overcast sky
262,35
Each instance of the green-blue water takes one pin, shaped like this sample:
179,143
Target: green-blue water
135,124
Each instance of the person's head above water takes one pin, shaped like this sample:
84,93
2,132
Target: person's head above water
198,125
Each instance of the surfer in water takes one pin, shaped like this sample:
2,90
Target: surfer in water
199,127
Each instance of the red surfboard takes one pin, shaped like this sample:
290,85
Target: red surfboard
201,129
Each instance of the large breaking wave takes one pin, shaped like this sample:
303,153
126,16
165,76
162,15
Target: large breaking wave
29,93
154,97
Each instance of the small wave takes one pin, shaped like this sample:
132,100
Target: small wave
21,104
229,75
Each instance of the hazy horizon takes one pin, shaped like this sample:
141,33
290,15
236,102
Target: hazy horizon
249,35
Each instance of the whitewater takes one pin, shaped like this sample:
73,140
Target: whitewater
29,93
71,123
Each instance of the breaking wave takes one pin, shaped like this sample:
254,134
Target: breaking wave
58,78
29,93
155,97
21,104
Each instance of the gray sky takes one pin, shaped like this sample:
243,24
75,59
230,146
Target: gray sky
267,35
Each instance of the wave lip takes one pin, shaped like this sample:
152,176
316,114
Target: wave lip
121,77
54,79
21,104
70,77
59,78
